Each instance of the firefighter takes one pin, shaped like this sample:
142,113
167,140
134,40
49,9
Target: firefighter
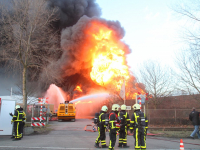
139,124
113,125
124,125
17,119
102,128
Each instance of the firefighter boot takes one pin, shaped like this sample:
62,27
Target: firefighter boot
104,146
96,145
120,145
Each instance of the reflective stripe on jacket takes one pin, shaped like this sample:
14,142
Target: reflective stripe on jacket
18,115
134,119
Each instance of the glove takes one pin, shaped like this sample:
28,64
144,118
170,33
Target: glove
11,114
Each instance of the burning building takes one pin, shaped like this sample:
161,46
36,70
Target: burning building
93,59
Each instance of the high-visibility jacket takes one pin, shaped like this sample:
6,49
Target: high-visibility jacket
101,123
138,120
18,115
124,119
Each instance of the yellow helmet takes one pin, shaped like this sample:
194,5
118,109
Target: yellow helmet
17,106
104,108
136,106
123,107
115,107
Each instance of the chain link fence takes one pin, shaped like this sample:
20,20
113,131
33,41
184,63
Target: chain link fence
155,116
167,116
34,111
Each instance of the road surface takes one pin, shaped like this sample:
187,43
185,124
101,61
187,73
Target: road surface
72,136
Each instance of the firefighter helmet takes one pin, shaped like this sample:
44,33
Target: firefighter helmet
115,107
104,108
123,107
17,106
136,106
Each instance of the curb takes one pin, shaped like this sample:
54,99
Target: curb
171,129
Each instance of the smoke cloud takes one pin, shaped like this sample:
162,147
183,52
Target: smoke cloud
75,64
78,55
70,11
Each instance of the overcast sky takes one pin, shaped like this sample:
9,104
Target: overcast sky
153,29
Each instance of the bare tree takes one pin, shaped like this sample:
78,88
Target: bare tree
189,11
27,40
188,61
158,81
188,64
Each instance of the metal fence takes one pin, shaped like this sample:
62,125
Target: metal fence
34,111
155,116
167,116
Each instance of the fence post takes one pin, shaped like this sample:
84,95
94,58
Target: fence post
47,114
175,115
38,110
149,119
32,110
41,113
32,113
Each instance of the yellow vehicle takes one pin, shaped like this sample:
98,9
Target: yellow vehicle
66,111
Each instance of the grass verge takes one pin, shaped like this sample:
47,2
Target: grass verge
171,134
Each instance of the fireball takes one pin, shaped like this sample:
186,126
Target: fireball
108,63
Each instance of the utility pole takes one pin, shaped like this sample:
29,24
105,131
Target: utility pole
11,92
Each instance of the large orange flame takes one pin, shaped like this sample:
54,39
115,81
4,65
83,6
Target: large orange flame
108,56
78,88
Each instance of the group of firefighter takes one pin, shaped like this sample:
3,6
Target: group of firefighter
119,122
18,118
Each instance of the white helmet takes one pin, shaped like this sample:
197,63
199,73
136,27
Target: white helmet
123,107
115,107
104,108
17,106
136,106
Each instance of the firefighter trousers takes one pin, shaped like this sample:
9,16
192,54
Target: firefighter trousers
102,136
113,136
123,136
140,138
18,129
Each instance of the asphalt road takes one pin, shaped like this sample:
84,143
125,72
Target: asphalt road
72,136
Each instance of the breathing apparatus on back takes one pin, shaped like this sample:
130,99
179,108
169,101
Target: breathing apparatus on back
140,122
96,118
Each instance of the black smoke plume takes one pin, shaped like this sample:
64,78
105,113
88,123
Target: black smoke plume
68,14
70,11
